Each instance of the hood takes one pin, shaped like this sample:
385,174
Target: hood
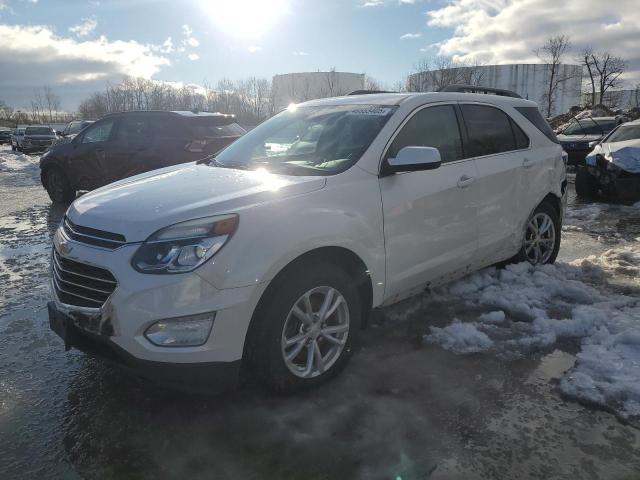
138,206
624,155
578,138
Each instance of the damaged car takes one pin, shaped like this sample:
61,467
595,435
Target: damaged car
613,167
578,136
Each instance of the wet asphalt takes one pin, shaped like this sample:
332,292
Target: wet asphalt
401,410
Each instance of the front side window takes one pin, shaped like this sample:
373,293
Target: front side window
133,129
98,133
431,127
322,140
489,130
624,133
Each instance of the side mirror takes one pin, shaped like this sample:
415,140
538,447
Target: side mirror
413,159
593,144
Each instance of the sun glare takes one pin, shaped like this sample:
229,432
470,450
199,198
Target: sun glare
246,18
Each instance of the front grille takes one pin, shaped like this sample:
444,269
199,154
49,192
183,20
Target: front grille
92,236
80,284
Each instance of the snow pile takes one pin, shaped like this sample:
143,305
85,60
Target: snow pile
460,338
538,306
12,161
621,261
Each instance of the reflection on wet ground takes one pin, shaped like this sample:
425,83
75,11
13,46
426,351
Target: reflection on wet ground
402,409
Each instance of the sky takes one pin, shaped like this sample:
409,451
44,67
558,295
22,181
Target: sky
77,46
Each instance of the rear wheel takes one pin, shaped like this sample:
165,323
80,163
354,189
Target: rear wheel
13,147
305,332
542,236
58,186
586,184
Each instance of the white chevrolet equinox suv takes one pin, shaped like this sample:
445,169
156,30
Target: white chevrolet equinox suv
272,253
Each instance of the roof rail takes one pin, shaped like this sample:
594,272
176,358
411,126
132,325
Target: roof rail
367,92
478,89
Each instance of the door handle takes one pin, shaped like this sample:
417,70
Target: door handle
465,181
526,163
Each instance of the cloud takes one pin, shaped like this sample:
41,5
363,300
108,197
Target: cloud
85,27
379,3
300,54
189,39
408,36
507,31
79,66
194,56
253,48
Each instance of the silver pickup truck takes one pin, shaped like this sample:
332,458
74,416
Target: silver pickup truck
38,138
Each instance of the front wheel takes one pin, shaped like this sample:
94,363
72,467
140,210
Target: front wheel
58,186
305,332
542,236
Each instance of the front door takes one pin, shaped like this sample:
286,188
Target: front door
429,216
90,155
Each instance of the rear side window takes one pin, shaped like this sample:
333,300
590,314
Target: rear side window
522,141
533,115
431,127
489,129
214,129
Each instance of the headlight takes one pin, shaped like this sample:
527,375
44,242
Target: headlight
190,331
184,246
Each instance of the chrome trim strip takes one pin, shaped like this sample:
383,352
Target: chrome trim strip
60,279
57,264
74,294
102,239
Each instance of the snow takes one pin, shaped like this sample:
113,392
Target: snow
524,309
12,161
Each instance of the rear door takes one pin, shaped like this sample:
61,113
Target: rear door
501,150
90,156
429,216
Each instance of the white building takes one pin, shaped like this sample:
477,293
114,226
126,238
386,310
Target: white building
530,81
300,87
616,99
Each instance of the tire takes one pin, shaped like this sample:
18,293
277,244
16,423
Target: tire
586,184
13,148
274,322
57,185
547,253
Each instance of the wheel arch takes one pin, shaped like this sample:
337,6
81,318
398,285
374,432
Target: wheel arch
341,257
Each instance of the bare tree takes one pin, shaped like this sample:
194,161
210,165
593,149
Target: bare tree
609,68
441,71
552,53
585,59
371,83
52,102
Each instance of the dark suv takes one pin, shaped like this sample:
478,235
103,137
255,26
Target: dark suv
124,144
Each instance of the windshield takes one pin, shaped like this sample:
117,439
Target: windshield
589,126
630,132
38,131
322,140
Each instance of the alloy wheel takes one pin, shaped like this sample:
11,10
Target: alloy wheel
315,332
540,239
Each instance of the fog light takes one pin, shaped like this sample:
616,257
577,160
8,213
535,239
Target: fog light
190,331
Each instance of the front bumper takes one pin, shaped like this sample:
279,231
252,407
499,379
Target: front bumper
202,377
140,300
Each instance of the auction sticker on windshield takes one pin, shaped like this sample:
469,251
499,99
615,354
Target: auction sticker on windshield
372,111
